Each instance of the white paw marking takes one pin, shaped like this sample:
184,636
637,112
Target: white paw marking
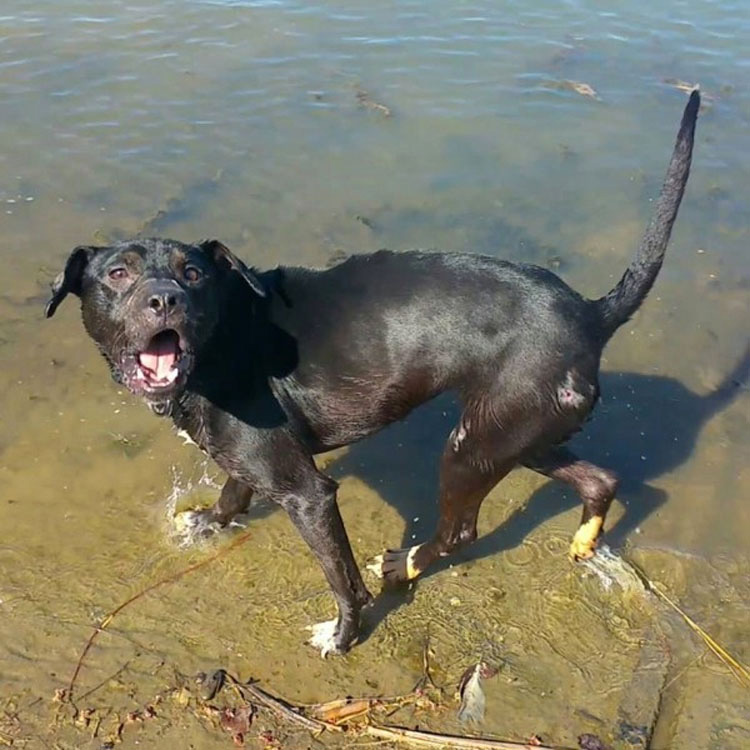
190,527
376,566
322,637
396,564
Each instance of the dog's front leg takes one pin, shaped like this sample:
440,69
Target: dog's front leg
315,514
194,524
274,464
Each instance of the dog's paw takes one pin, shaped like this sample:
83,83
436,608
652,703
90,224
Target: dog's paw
396,565
192,526
581,550
323,637
584,542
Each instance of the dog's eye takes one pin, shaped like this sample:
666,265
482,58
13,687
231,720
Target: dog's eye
118,273
191,273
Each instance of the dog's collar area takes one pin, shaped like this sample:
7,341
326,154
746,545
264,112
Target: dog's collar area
161,408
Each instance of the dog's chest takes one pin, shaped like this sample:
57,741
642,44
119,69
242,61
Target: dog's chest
188,440
191,428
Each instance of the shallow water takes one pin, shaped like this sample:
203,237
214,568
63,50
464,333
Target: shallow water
241,120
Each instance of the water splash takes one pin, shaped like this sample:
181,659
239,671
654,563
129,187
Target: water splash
611,570
188,493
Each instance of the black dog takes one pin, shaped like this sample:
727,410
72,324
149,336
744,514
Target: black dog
263,370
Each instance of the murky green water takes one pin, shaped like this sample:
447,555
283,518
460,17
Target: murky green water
243,121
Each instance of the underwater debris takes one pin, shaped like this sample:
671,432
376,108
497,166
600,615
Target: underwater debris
211,684
237,722
680,85
611,570
591,742
584,89
472,696
366,101
471,693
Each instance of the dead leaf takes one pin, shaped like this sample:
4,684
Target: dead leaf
237,721
472,695
269,740
83,717
680,85
487,671
591,742
581,88
211,684
181,697
338,711
367,102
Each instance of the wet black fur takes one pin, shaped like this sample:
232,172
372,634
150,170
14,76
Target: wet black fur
292,362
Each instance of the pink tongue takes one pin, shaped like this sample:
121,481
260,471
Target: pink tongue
159,357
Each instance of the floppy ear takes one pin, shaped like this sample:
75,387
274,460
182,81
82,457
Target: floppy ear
69,280
224,257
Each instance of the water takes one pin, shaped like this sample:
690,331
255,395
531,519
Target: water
241,120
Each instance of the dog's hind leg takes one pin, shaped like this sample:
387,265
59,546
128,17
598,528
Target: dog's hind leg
478,454
499,429
596,486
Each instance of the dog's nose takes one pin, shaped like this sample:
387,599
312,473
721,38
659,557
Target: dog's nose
165,299
162,304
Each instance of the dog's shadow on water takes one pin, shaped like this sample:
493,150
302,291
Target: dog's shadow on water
644,427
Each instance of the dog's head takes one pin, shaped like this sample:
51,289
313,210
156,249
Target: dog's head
151,305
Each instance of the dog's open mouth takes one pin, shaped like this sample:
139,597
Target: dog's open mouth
157,366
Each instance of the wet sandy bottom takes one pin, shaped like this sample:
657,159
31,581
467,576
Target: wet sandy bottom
243,121
573,655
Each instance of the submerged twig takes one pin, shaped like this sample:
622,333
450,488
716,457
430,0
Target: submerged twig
739,671
281,708
434,739
341,721
169,579
367,102
584,89
105,681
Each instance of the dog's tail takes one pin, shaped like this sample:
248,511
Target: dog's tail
616,307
